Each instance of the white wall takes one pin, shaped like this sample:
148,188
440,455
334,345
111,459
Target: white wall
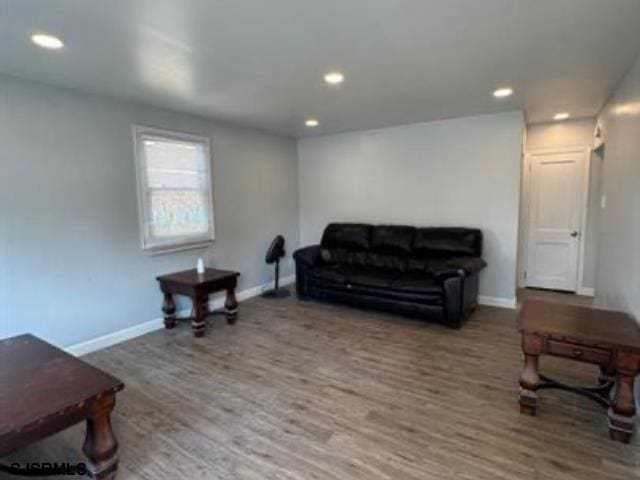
575,133
570,133
462,172
71,266
618,272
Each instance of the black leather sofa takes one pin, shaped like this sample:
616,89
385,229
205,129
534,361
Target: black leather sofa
430,273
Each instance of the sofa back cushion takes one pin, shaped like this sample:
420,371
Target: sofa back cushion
396,263
418,265
363,259
348,236
396,247
342,255
447,242
392,239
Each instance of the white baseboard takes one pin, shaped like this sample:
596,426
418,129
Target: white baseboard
255,291
501,302
586,291
156,324
109,339
129,333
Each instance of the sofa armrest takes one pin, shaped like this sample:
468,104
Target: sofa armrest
459,267
307,255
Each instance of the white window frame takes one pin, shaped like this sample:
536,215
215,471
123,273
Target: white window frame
175,243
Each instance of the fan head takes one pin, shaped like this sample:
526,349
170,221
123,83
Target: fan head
276,250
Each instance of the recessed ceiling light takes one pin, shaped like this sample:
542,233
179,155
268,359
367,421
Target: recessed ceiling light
47,41
334,78
503,92
312,122
561,116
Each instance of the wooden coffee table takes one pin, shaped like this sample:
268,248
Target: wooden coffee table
44,390
198,288
605,338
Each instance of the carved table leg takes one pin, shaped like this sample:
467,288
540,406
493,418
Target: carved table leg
198,324
169,310
622,409
529,378
607,374
231,305
100,445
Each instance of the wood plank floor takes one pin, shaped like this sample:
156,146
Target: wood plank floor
305,390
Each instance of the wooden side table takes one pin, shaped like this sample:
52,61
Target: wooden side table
198,287
44,390
605,338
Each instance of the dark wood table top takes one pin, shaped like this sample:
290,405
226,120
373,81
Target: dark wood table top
192,278
591,325
39,381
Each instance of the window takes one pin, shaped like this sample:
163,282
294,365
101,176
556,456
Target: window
174,189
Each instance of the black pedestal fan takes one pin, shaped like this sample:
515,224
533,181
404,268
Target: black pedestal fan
274,254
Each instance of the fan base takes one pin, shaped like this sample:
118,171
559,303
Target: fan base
279,293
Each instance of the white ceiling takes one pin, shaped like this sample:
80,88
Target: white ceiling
260,62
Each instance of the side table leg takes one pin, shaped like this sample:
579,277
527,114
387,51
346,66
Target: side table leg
100,445
529,378
198,324
169,310
607,374
231,306
623,408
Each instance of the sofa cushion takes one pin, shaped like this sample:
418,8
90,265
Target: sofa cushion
349,236
392,239
343,256
456,266
330,273
340,275
447,242
334,255
417,283
372,277
435,298
386,262
417,264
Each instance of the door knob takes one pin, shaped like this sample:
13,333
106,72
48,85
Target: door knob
575,234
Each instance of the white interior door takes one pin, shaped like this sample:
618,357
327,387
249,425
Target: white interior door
555,217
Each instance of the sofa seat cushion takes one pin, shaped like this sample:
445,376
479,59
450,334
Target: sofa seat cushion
341,275
331,274
393,263
372,277
391,284
417,283
343,256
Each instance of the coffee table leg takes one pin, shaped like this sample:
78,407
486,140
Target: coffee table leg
198,323
100,445
622,409
231,305
529,378
169,310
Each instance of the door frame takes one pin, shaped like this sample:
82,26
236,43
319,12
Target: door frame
524,214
